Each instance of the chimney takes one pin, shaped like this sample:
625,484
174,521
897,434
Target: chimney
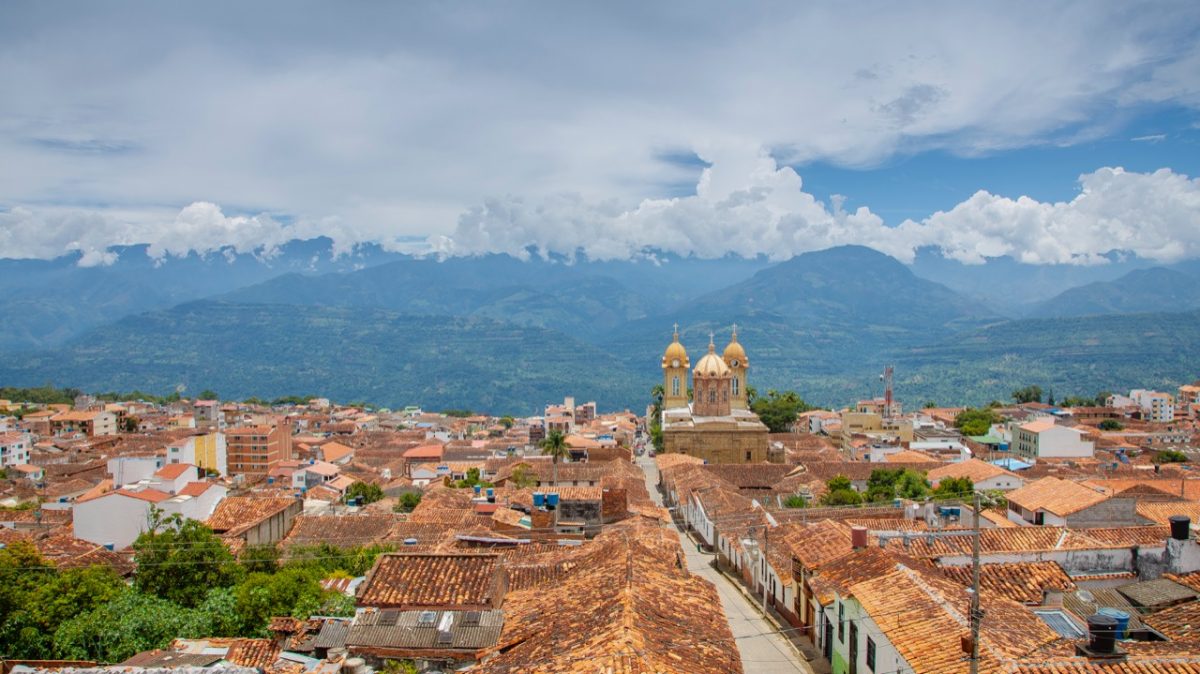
858,537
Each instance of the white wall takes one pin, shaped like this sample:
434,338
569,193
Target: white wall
128,470
1061,442
113,518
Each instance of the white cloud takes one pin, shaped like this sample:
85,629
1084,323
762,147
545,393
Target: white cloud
1150,138
746,204
384,123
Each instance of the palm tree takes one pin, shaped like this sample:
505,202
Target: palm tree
555,446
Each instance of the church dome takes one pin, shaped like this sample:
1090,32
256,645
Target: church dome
675,355
734,353
711,365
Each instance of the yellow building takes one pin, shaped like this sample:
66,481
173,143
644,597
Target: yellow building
717,424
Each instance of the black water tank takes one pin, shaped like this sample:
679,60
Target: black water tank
1180,524
1102,632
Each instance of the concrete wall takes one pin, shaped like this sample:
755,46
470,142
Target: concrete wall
719,445
1115,512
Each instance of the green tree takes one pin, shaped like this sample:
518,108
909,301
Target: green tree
1170,456
954,487
370,493
555,446
1111,425
522,477
886,484
1029,394
131,623
929,404
295,590
130,424
408,502
795,501
180,560
972,421
507,421
259,558
840,492
458,413
209,394
779,410
23,572
471,479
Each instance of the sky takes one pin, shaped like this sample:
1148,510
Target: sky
1049,132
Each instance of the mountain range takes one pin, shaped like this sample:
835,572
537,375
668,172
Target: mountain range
507,335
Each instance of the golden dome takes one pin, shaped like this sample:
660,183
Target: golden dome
734,352
711,365
675,355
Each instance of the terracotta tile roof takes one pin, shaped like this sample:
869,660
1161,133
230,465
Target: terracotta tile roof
173,470
1161,512
630,611
818,543
343,531
920,614
908,456
1192,579
974,469
151,495
1155,536
1177,622
424,452
409,581
236,514
1022,582
857,566
1177,663
195,488
1055,495
1038,426
258,653
861,470
1019,539
335,451
999,519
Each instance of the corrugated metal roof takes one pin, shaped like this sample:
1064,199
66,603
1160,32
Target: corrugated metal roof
1060,622
410,632
333,634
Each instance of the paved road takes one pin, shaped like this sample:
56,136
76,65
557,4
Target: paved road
763,650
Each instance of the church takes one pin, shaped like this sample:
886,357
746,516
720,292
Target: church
716,424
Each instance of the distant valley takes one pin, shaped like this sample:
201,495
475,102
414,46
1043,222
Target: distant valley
506,335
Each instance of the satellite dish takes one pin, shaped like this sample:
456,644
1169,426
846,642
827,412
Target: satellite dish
180,388
1086,596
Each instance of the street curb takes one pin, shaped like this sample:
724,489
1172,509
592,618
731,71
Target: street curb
754,601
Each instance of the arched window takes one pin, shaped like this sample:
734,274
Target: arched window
675,386
735,386
712,395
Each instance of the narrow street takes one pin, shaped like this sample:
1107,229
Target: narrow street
763,650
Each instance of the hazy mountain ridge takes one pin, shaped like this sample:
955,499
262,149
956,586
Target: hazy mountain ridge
469,331
1157,289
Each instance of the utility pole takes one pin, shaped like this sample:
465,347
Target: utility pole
975,617
976,611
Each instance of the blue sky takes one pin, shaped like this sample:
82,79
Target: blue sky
913,186
698,128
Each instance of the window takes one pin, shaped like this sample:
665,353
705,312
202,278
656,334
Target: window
712,396
748,455
675,386
870,654
735,386
841,622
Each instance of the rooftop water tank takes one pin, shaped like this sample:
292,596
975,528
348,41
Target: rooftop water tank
552,500
539,499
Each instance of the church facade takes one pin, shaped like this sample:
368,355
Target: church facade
716,424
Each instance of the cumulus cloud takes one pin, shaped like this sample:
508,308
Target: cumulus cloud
746,204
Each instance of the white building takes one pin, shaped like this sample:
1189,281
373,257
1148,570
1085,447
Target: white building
1044,439
983,475
118,517
15,449
127,470
1156,405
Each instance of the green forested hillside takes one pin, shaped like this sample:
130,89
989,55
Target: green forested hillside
380,356
494,335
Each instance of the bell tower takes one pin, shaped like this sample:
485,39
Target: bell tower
735,357
675,366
